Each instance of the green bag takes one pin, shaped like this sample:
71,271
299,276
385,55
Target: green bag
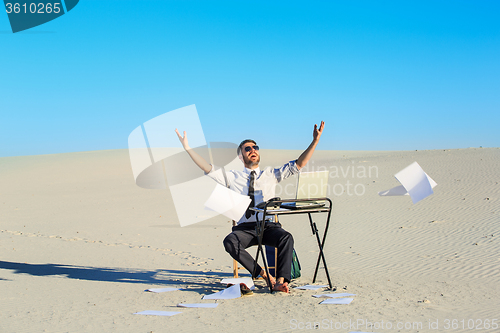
295,265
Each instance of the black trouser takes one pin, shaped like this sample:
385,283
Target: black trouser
244,235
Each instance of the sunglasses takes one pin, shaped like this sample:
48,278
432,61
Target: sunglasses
248,148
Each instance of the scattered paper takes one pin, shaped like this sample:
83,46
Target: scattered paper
311,287
198,305
246,281
415,183
337,301
229,293
227,202
157,313
334,295
162,290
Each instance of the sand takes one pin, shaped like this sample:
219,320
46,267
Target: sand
80,242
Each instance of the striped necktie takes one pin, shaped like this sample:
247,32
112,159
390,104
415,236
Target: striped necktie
251,194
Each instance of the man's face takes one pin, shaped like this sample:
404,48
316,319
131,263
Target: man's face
251,158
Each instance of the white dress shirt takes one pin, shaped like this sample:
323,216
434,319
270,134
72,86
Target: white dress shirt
265,182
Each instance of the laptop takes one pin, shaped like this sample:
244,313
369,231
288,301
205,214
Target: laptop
309,185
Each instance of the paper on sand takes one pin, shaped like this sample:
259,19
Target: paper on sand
311,287
334,295
227,202
415,183
157,313
198,305
229,293
246,281
337,301
162,290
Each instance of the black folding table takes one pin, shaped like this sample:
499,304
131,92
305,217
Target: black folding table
268,211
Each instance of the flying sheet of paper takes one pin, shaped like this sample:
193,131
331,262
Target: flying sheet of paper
229,293
311,287
162,290
415,183
334,295
198,305
337,301
246,281
157,313
227,202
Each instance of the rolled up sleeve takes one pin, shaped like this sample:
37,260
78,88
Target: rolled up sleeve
287,170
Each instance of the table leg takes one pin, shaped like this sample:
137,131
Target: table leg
321,253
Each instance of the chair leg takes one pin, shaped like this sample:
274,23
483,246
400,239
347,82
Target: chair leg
235,263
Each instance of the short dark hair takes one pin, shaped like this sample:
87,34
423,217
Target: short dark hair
238,151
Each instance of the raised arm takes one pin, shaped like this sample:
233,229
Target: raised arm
306,155
200,161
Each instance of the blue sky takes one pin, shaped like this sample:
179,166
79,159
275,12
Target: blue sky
383,75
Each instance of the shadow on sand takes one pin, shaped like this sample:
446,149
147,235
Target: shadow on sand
193,280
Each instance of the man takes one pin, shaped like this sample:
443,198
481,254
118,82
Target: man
260,186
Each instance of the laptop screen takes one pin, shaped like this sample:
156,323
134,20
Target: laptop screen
312,185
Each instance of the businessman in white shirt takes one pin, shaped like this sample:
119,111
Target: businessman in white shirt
260,186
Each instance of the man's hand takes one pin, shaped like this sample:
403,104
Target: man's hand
306,155
184,140
317,132
197,159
